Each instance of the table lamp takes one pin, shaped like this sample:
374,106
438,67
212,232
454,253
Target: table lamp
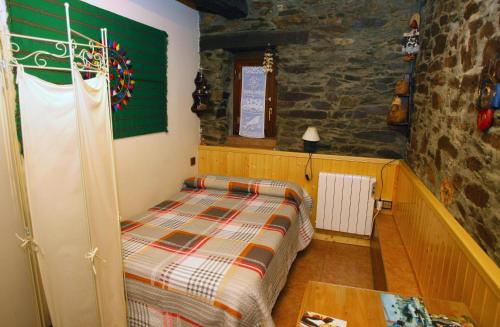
311,139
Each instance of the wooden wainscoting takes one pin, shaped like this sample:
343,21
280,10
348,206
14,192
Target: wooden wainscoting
221,160
447,262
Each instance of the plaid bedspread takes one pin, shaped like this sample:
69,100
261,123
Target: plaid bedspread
215,254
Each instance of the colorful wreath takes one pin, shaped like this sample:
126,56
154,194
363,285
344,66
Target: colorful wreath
121,78
121,74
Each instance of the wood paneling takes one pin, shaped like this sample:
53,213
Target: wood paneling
447,262
291,165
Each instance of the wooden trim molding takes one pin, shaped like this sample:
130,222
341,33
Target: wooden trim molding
230,9
448,263
213,148
241,41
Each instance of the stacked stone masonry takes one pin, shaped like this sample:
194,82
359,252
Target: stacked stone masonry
341,81
460,38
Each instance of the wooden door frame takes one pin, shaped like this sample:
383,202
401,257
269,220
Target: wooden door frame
271,91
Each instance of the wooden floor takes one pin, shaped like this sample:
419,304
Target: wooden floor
327,262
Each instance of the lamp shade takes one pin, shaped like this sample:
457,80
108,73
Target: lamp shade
311,135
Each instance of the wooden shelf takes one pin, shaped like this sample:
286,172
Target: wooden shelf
246,142
393,271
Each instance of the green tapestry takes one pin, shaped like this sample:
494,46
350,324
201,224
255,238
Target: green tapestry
145,46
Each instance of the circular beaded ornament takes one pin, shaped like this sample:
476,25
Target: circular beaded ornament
121,76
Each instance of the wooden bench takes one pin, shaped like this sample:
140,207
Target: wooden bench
447,262
392,270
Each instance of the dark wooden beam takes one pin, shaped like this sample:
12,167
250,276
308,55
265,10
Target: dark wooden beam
241,41
230,9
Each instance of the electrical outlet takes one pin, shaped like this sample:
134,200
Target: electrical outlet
193,161
387,204
379,204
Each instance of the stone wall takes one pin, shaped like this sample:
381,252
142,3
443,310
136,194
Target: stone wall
460,37
342,81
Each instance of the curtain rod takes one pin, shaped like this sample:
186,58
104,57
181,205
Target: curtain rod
43,39
87,38
3,63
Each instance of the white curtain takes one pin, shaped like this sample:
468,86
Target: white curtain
253,102
73,201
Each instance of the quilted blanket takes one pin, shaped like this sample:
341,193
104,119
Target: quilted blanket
215,254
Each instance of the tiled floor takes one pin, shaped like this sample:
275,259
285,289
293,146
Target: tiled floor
327,262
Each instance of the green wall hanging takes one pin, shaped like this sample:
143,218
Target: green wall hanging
144,91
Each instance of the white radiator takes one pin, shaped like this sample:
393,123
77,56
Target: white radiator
345,203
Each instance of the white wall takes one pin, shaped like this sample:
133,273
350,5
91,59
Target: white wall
152,167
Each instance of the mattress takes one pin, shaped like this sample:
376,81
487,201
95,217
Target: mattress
215,254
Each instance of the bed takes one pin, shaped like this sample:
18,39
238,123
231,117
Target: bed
215,254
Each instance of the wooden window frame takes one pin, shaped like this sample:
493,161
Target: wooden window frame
271,94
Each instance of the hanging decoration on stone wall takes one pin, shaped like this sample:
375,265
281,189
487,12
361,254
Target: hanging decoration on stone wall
485,94
495,102
121,76
446,192
200,94
410,42
268,62
402,86
495,99
398,114
400,106
488,96
485,119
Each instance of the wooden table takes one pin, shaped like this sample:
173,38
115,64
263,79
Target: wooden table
358,306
